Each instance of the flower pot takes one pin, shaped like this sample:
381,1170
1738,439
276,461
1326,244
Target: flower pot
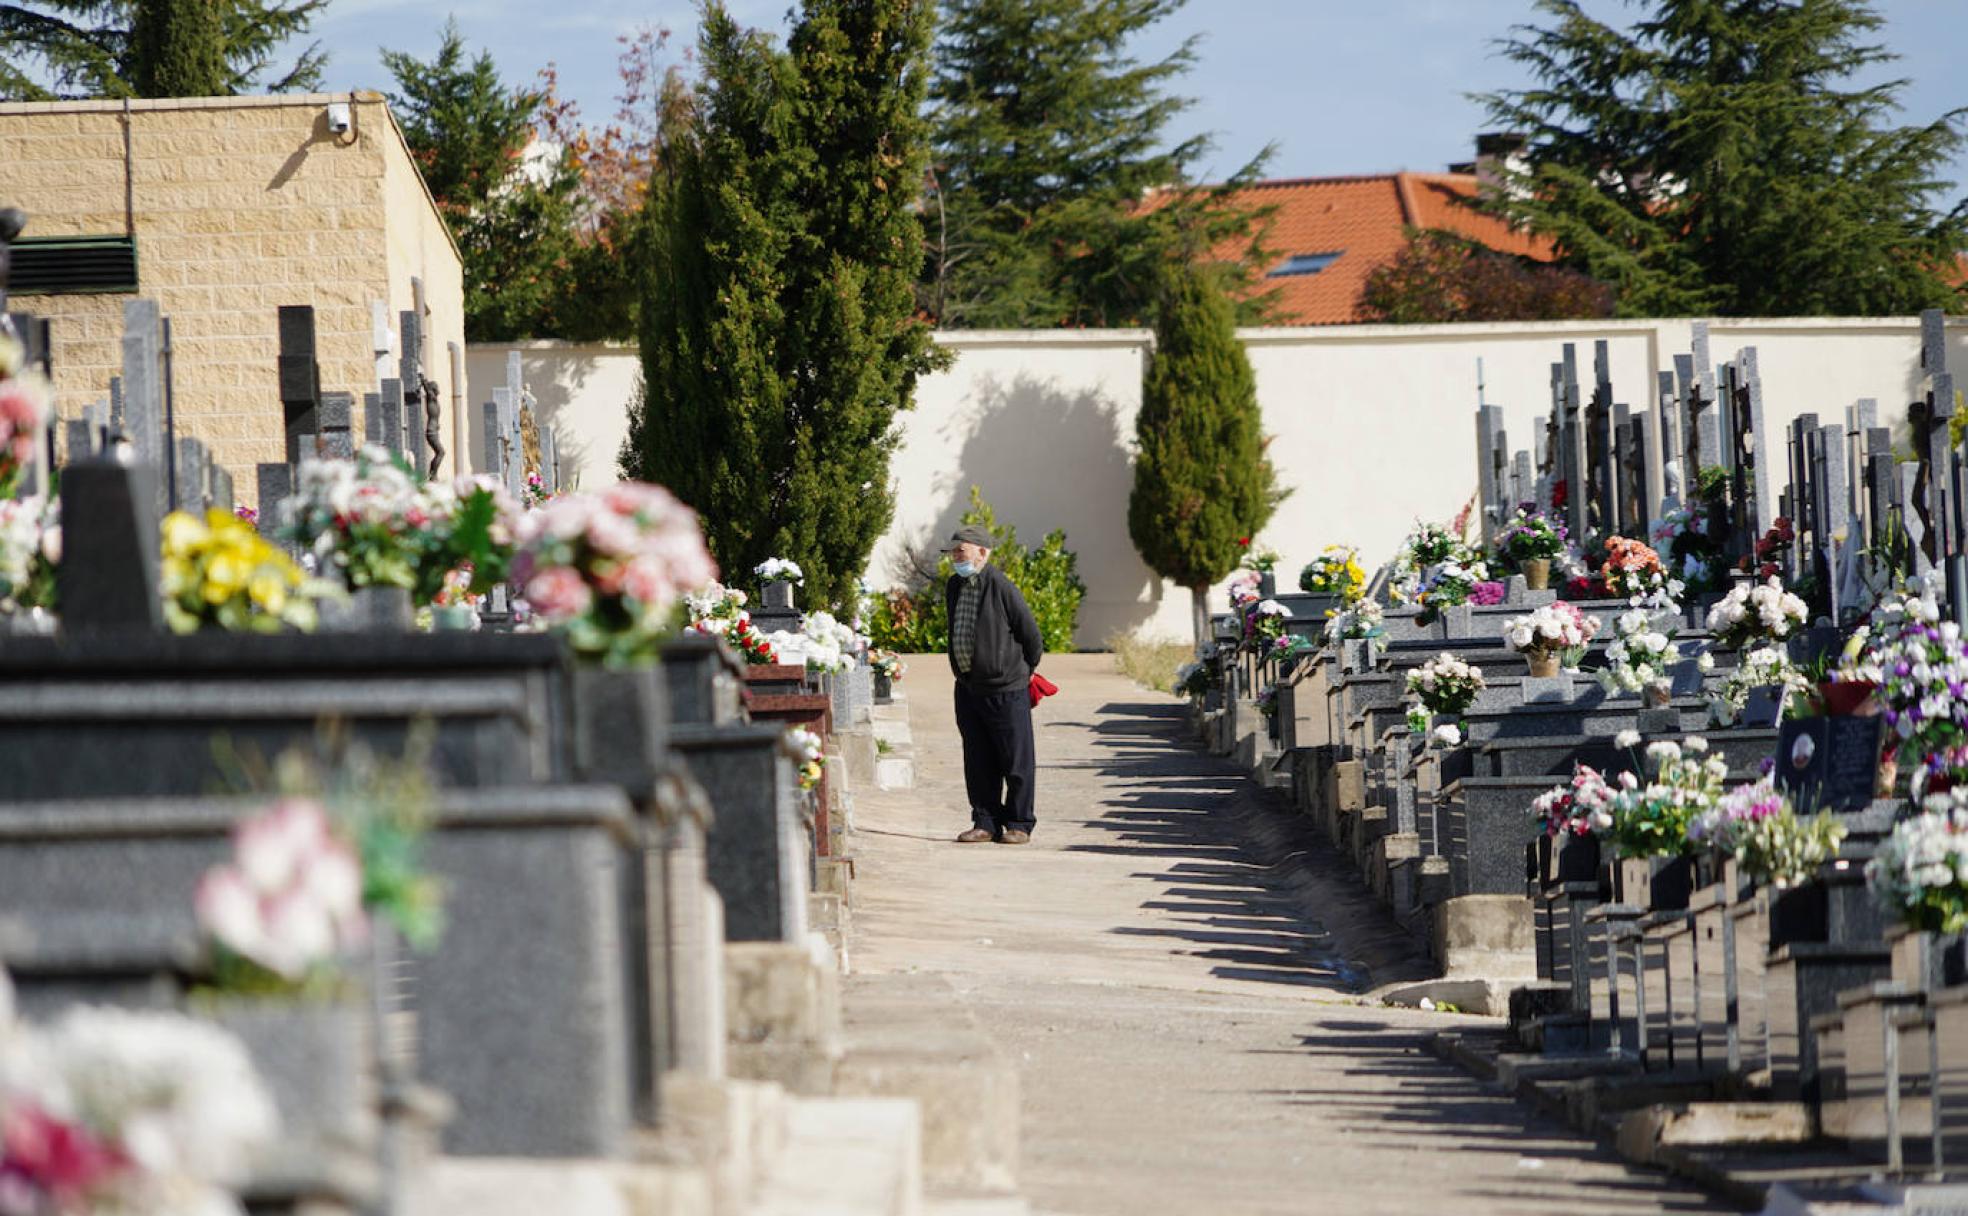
453,618
317,1059
1544,663
1656,696
884,689
1267,584
1536,572
621,726
777,594
1843,698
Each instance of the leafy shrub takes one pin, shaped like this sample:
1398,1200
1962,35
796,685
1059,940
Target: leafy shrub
912,619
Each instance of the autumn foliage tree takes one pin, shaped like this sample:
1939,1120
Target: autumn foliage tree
1444,276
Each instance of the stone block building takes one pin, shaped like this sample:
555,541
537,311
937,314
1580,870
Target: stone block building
223,210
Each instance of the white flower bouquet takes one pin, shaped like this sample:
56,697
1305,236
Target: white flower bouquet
118,1111
1756,612
1763,666
780,570
1643,646
1444,684
1920,871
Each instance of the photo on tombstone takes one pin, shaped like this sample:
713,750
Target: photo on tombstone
1828,763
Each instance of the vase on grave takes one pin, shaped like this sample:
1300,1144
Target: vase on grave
1267,584
1661,884
884,689
1574,859
1797,914
317,1060
621,726
777,594
1536,572
1656,695
1927,961
1888,776
34,622
1544,663
370,610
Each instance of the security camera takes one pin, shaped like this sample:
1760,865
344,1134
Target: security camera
339,118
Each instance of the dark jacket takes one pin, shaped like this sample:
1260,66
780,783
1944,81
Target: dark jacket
1008,644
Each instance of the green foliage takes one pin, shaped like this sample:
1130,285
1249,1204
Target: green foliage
178,49
513,219
914,619
777,311
1443,276
1050,135
1718,158
154,48
1202,480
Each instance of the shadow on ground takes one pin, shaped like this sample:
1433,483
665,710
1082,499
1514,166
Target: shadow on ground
1236,904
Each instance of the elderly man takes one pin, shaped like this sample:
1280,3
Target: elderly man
994,648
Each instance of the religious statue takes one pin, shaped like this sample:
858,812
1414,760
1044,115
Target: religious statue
433,431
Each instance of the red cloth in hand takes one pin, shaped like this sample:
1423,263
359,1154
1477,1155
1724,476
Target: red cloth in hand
1041,688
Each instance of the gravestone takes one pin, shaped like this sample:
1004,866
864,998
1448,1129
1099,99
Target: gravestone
108,576
143,389
192,480
412,381
392,428
1763,707
300,376
1828,763
276,486
337,416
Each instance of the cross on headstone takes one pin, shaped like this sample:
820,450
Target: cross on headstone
1705,431
1572,437
191,479
1667,489
276,486
1491,450
392,412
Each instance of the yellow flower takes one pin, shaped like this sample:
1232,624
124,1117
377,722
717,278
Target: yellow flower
183,533
268,589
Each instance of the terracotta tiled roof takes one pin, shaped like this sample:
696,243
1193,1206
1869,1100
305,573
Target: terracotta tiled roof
1363,220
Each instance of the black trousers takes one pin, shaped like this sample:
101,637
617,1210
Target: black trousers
999,758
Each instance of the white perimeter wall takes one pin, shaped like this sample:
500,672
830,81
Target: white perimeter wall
1374,426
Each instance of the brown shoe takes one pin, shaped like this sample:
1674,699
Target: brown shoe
1014,836
974,836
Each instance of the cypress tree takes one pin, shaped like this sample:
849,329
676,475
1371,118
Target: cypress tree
778,328
1049,138
114,48
178,49
1718,157
1202,481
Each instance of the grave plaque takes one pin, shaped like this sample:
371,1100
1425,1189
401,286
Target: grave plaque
1828,763
1763,707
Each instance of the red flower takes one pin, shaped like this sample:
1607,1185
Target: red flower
1244,541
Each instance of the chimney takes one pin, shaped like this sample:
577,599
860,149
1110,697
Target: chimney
1499,153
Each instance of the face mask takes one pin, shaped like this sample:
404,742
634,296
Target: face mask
966,569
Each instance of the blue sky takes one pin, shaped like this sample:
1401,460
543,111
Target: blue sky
1340,86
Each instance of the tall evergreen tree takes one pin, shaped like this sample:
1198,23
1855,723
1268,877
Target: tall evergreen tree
1057,194
1202,481
778,335
1718,157
510,201
178,49
90,48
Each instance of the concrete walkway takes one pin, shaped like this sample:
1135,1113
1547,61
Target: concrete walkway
1173,966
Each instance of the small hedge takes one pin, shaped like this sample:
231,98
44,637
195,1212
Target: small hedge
912,619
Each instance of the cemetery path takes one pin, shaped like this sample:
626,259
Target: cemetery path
1172,966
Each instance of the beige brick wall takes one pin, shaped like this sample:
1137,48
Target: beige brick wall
239,205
